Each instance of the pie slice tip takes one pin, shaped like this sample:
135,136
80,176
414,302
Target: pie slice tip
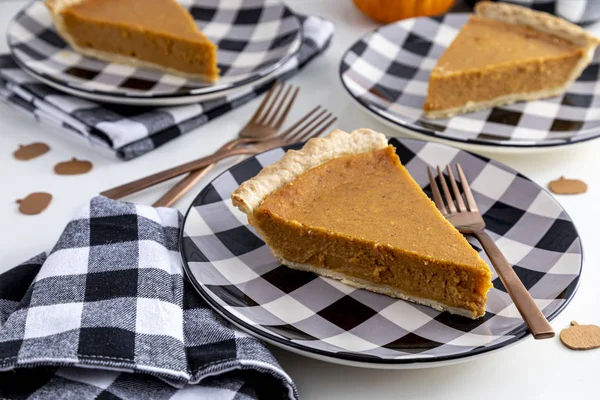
344,207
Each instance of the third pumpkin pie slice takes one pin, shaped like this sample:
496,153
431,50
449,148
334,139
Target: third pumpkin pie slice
344,207
506,53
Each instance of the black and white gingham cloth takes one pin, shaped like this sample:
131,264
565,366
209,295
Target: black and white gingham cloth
129,131
387,71
108,314
237,273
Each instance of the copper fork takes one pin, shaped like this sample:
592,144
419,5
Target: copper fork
265,123
312,124
467,219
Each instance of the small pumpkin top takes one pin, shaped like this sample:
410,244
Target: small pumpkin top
393,10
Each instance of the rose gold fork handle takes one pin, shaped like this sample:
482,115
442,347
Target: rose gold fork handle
538,324
182,187
151,180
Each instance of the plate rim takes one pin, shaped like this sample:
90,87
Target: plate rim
357,357
430,132
467,145
125,96
152,101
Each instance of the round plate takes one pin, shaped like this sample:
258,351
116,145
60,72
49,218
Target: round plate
319,317
254,38
387,72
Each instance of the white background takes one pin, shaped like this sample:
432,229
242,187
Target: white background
529,370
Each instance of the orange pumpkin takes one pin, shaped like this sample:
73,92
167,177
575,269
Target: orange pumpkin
393,10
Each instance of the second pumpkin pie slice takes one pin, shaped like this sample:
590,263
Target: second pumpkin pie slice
506,53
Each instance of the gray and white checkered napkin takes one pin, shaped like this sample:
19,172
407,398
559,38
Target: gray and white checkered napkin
130,131
108,314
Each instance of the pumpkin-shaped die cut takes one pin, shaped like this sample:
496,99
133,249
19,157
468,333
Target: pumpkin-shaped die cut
34,203
393,10
73,167
581,337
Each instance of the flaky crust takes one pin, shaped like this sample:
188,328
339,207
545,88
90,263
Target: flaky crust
57,6
294,163
537,20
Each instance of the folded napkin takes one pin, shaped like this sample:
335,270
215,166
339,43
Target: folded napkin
129,131
109,314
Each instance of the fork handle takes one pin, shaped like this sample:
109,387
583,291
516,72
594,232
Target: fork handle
537,322
151,180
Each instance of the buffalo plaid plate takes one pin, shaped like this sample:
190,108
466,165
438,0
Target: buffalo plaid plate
254,37
387,72
235,272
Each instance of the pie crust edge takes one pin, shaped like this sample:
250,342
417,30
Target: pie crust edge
378,288
294,163
538,20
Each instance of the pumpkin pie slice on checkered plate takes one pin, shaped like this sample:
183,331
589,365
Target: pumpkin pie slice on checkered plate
158,34
506,53
344,207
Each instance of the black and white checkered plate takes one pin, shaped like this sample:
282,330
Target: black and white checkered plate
387,72
254,37
235,272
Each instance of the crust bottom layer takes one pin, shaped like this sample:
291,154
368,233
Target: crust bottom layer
378,288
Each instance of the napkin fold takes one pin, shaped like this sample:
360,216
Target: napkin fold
130,131
109,314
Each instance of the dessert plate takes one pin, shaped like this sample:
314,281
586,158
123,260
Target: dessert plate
254,38
387,73
236,274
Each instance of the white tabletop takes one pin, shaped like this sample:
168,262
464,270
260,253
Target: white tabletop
529,370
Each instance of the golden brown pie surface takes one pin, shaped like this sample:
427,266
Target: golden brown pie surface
362,218
158,34
503,54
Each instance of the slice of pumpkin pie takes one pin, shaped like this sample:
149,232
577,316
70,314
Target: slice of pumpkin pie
158,34
344,207
506,53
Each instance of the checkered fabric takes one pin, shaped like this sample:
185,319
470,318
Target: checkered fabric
108,314
128,131
254,37
239,276
387,71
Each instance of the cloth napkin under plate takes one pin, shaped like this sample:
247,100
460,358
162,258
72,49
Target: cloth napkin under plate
109,314
129,131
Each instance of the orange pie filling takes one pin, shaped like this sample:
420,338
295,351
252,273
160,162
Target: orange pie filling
363,219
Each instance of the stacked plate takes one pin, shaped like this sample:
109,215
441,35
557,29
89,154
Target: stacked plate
255,38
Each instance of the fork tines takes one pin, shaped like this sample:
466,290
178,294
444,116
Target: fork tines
271,111
312,124
456,197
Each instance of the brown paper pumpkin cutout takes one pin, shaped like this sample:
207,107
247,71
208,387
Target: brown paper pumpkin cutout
581,337
34,203
30,151
567,186
73,167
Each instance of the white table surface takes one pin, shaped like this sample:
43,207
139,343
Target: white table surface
529,370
